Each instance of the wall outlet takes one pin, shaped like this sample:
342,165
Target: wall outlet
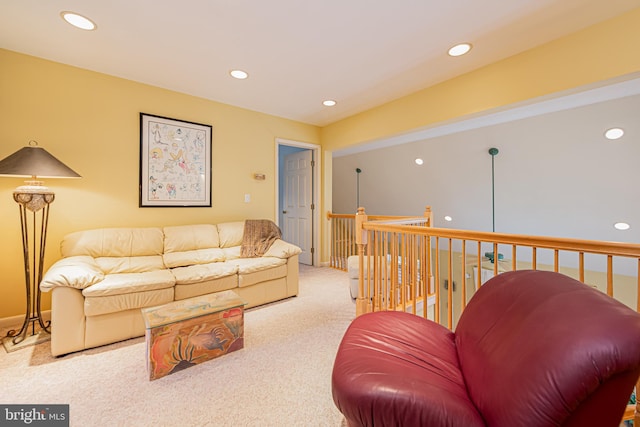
247,198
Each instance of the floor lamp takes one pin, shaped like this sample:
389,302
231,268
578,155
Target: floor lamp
494,152
33,200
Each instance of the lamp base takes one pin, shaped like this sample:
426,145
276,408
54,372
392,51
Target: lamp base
492,258
37,338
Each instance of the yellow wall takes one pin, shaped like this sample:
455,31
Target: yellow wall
604,51
90,121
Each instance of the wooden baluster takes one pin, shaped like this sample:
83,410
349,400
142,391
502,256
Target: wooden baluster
333,239
382,287
340,242
450,290
610,275
556,260
463,294
514,264
479,272
373,272
402,267
581,266
426,273
361,241
413,268
429,266
437,280
344,243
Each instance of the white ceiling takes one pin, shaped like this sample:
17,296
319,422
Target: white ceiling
361,53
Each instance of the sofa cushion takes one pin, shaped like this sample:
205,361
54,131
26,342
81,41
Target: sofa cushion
252,265
133,264
231,233
76,272
282,249
129,283
257,270
231,253
99,305
114,242
205,287
191,244
203,272
182,238
197,256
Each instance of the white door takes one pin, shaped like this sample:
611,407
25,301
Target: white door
297,211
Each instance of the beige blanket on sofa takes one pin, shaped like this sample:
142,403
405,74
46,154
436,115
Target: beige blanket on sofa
259,235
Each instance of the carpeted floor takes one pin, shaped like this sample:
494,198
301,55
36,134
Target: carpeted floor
281,378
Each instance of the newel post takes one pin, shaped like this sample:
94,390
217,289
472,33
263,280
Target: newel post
361,242
429,215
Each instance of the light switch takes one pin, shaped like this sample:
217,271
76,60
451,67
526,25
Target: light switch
247,198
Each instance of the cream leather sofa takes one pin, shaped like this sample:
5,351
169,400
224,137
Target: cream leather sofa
107,275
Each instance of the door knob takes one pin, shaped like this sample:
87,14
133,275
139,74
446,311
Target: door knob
284,212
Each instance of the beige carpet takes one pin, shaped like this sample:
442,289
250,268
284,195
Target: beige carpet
281,378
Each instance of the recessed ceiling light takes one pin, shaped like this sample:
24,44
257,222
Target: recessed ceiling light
621,226
614,133
460,49
419,161
78,21
448,218
329,103
239,74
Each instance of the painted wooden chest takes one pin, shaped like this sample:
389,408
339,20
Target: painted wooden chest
184,333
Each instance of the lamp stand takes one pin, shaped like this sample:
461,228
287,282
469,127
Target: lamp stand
493,151
358,171
33,200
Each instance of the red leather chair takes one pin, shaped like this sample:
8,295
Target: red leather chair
532,348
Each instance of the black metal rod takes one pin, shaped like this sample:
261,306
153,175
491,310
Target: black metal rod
493,195
493,152
358,170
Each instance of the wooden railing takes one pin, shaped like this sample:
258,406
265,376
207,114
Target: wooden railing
343,234
405,265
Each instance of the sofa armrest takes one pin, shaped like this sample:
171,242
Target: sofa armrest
78,272
282,249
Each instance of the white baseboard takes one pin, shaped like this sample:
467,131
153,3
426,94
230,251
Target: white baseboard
12,321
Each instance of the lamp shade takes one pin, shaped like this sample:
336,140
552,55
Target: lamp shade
35,161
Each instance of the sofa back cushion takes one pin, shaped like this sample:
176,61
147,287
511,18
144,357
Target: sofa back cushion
231,233
118,250
539,348
191,245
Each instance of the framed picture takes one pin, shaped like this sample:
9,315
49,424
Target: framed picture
175,163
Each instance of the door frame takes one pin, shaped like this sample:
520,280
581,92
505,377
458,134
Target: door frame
315,190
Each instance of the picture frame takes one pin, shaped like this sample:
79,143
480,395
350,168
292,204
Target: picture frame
175,162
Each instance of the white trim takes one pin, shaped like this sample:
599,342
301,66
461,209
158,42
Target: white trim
316,189
624,86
